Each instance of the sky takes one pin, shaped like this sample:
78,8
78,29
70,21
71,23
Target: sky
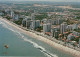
46,0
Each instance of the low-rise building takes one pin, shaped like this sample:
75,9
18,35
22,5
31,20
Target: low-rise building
76,33
1,13
75,26
16,17
70,37
69,28
44,21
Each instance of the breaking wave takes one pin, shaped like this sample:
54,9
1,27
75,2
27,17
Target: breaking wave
43,50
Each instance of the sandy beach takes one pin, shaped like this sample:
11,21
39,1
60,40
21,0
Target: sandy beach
53,44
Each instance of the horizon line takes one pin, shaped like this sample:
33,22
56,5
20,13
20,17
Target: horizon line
42,1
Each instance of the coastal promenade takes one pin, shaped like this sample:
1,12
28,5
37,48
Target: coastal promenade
43,38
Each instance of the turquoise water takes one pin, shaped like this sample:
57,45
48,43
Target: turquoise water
21,44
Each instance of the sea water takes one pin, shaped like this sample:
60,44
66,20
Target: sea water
20,44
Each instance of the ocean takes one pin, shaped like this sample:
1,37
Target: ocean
20,44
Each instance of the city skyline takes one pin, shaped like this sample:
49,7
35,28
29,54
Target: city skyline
40,28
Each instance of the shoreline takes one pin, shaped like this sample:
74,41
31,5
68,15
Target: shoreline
51,43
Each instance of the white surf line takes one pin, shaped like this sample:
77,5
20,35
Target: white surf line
48,54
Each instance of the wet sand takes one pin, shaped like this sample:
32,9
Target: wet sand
53,44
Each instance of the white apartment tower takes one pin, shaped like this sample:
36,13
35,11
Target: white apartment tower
12,14
46,28
63,27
